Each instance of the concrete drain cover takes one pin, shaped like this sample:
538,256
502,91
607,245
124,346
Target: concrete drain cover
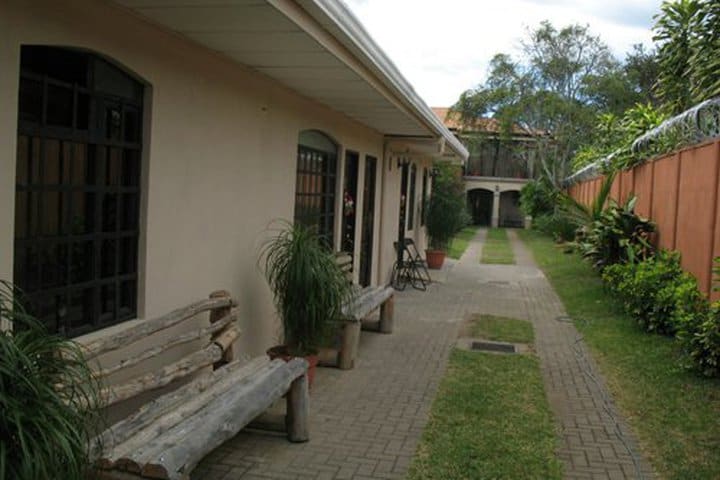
493,347
564,318
499,283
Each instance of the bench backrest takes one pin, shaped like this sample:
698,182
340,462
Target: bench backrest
214,347
345,262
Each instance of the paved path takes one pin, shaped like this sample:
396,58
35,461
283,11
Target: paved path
595,442
366,422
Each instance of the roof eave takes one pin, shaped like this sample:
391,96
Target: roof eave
386,71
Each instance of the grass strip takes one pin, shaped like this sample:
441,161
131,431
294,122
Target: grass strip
490,420
460,242
675,413
502,329
497,248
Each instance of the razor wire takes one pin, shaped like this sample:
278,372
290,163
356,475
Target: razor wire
696,125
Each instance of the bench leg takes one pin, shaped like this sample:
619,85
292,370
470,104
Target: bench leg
298,402
387,311
349,348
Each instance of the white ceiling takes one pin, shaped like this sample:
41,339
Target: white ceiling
259,36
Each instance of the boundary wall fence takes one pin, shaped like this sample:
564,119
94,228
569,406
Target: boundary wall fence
680,192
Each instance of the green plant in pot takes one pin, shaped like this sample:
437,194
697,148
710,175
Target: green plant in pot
309,289
49,400
446,213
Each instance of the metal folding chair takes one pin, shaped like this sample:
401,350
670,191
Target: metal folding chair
418,260
406,269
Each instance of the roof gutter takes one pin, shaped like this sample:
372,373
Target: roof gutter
388,74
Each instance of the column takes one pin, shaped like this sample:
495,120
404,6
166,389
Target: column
496,209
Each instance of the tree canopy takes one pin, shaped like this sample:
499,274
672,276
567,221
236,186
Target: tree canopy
565,87
555,88
688,36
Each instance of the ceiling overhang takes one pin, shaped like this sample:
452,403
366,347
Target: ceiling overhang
314,47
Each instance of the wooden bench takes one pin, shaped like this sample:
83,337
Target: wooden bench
366,301
167,437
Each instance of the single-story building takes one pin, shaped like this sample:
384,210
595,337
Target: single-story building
147,145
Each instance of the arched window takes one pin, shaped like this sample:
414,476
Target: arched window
315,183
77,189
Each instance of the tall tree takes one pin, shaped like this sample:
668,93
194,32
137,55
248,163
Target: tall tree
705,59
562,60
630,84
547,92
675,32
641,68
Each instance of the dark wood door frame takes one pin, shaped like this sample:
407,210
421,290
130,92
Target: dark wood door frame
368,221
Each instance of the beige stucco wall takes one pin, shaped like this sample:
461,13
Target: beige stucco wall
417,233
391,208
220,157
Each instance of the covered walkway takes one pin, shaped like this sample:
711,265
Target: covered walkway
366,422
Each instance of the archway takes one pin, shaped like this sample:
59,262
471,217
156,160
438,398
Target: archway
510,213
480,203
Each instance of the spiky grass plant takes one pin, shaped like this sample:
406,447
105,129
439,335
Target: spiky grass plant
584,215
308,285
49,400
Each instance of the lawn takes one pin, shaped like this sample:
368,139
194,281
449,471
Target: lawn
675,413
503,329
460,242
490,420
497,248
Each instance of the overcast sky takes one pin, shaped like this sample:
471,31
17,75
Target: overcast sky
443,46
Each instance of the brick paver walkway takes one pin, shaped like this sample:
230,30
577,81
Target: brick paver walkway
595,441
366,422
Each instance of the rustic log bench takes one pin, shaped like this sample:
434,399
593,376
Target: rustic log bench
366,301
167,437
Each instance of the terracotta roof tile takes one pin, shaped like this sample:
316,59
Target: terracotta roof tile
482,124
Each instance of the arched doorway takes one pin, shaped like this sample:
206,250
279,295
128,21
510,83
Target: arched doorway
510,213
480,203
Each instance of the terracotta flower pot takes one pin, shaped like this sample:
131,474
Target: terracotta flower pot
435,259
280,351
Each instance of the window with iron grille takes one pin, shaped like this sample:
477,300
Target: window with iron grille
315,184
77,189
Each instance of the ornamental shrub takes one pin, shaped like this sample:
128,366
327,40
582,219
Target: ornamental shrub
656,292
619,235
557,225
538,198
699,336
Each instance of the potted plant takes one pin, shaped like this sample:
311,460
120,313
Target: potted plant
446,213
309,289
50,400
